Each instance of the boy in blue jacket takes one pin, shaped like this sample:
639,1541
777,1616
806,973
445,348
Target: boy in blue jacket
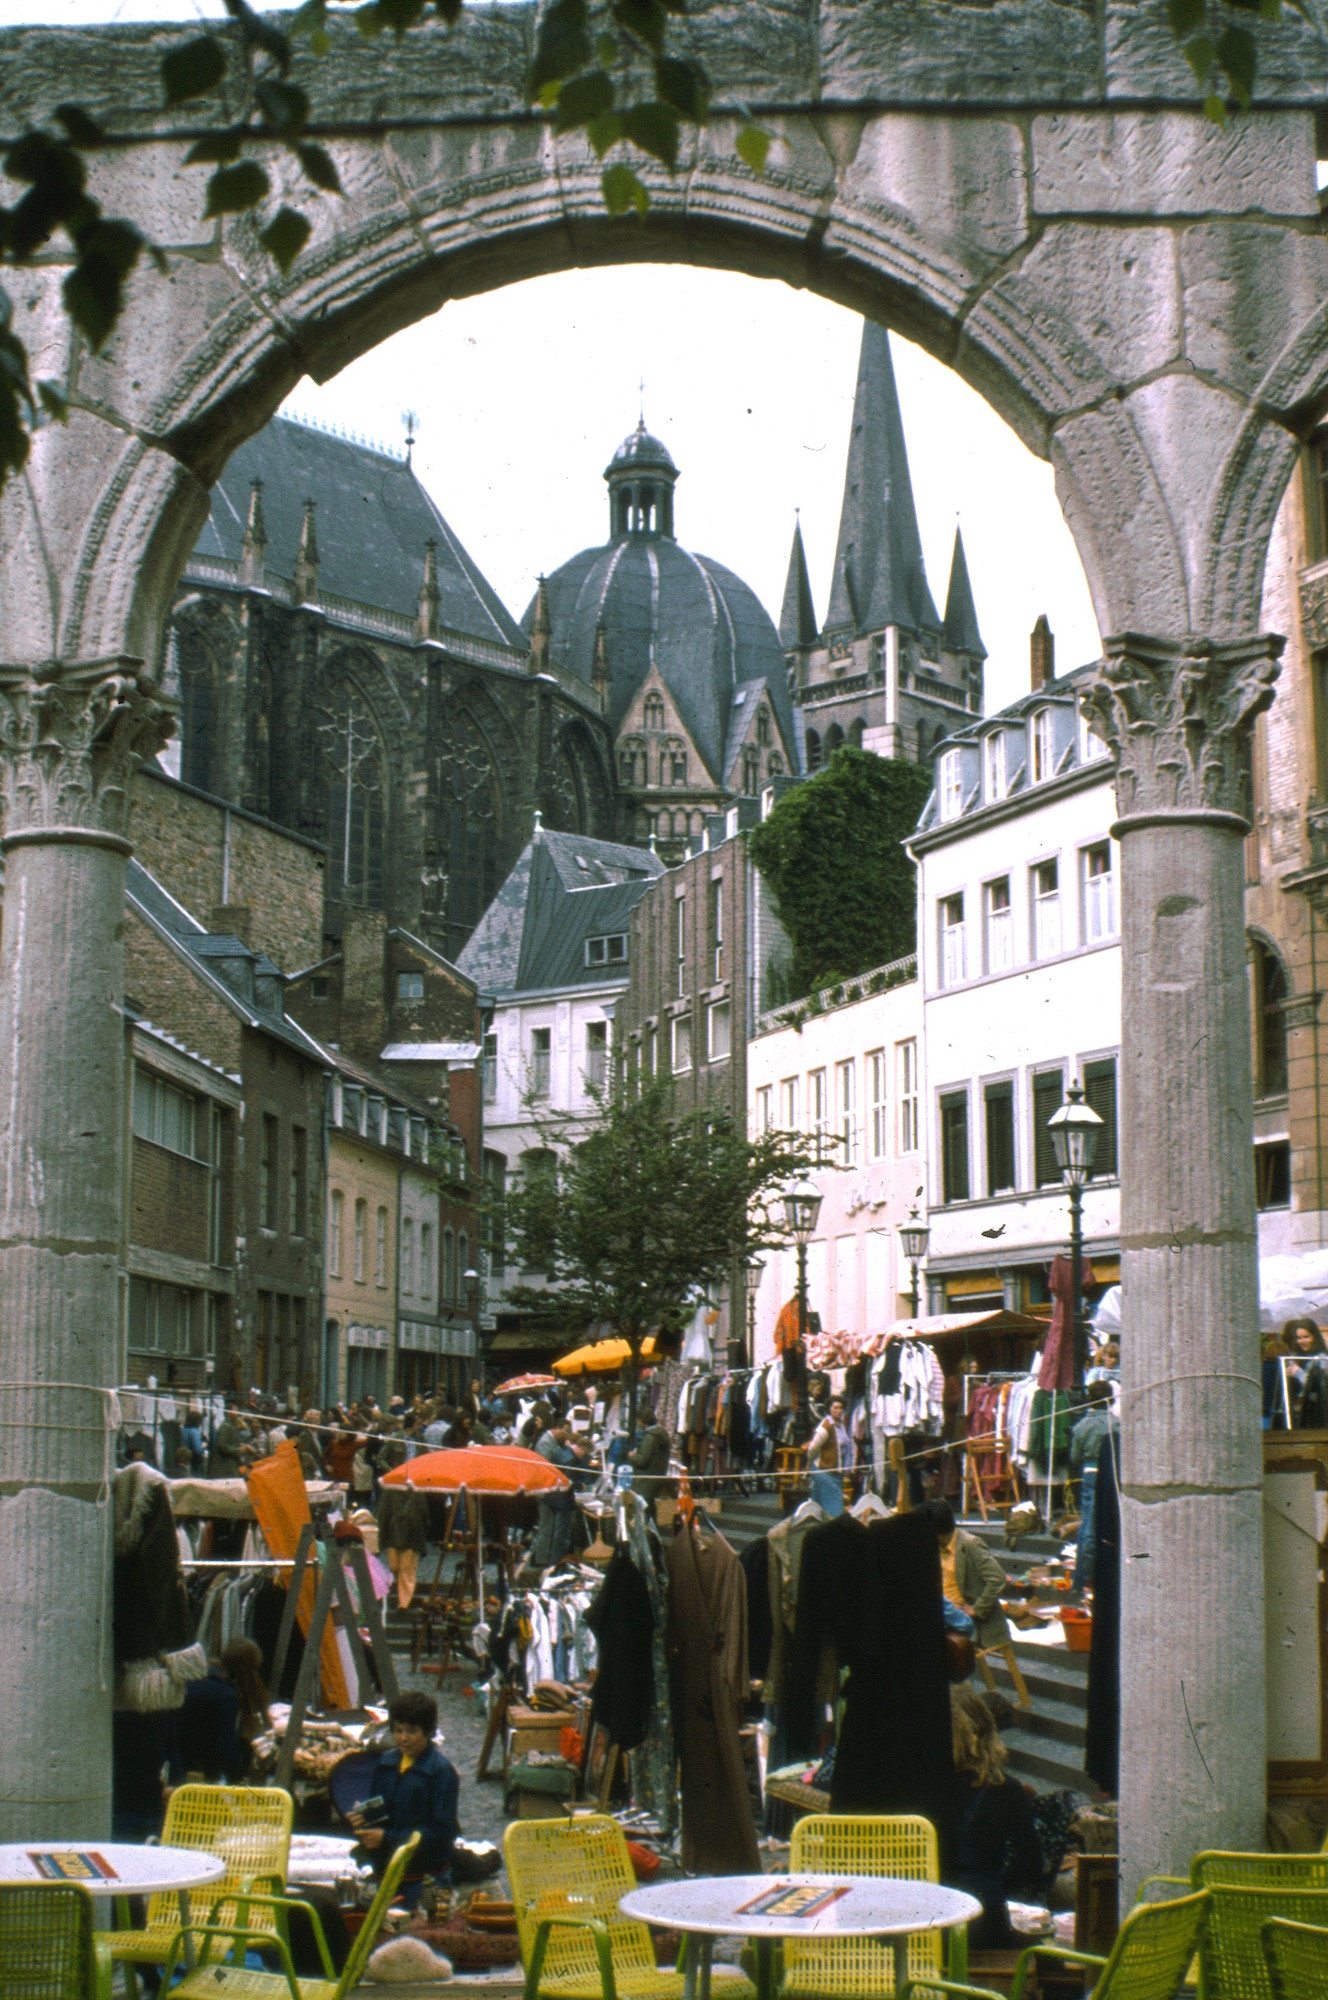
415,1790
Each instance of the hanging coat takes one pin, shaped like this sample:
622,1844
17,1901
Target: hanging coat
1057,1367
707,1645
623,1623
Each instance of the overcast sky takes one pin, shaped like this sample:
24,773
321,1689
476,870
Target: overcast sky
523,394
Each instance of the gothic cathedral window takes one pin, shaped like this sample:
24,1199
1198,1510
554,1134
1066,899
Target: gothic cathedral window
354,760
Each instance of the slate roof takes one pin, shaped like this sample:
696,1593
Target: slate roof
564,888
704,630
879,577
373,519
960,633
216,958
797,619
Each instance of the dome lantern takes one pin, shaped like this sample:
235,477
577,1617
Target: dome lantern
641,477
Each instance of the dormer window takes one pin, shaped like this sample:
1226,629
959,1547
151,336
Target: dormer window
1091,747
410,986
1043,752
950,783
610,950
993,757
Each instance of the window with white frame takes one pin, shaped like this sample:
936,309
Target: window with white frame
597,1054
788,1104
650,1052
878,1130
407,1254
682,1043
1092,749
906,1088
336,1219
1099,893
1045,881
162,1113
846,1109
680,943
1043,748
426,1261
540,1058
1000,925
380,1249
765,1111
818,1109
361,1234
951,916
718,1032
993,758
608,950
490,1066
950,783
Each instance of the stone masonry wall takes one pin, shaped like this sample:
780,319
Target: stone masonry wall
167,993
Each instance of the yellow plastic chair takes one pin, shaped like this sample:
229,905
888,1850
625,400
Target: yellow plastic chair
247,1828
903,1845
1247,1890
1147,1962
48,1944
221,1973
567,1877
1297,1957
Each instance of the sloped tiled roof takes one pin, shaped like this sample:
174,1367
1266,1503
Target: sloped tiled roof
563,889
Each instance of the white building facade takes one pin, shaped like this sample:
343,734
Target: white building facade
844,1069
1018,885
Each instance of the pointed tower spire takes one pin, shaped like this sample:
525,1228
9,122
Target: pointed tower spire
426,622
960,632
306,558
599,670
541,632
253,549
879,578
797,620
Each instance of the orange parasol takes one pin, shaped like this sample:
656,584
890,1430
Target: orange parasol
603,1357
480,1468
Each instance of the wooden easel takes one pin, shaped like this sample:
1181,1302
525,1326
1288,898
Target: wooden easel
332,1584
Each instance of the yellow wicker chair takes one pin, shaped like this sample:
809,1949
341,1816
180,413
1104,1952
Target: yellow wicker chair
567,1877
855,1968
48,1946
1148,1961
1297,1956
1248,1890
250,1830
222,1975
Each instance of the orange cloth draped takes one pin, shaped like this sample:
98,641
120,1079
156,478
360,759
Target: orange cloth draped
786,1327
276,1487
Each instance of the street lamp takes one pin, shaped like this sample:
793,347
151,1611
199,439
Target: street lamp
471,1279
1074,1130
802,1205
753,1268
913,1238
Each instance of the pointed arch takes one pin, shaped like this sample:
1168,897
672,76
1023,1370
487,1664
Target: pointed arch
355,767
202,638
476,764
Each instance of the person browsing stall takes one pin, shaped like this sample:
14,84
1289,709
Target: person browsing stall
415,1789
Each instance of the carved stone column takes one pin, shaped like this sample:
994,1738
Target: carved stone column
1178,717
69,740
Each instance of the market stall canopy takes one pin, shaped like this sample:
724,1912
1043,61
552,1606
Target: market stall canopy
603,1357
228,1499
1290,1287
934,1326
519,1384
480,1468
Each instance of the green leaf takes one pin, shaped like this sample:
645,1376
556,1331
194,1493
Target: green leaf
53,401
1186,17
215,148
1238,54
233,189
1201,54
310,19
398,15
284,105
604,132
684,85
319,165
653,128
1215,108
583,98
606,51
645,19
623,191
753,147
448,11
193,69
562,46
81,128
285,237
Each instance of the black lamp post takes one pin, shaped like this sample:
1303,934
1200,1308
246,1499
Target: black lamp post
753,1269
1074,1130
802,1205
913,1238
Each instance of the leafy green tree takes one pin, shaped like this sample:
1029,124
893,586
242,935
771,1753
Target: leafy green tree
651,1205
832,852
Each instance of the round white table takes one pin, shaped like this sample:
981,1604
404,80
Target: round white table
881,1906
137,1871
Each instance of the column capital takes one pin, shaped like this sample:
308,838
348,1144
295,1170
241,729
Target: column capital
1177,715
71,737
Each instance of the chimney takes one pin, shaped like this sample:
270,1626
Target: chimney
1042,653
306,559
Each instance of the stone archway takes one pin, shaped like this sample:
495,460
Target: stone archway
1142,294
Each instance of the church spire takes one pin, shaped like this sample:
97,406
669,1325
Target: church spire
306,558
253,549
879,578
426,623
797,620
960,633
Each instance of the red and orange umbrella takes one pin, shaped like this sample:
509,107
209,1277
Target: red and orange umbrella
480,1468
519,1384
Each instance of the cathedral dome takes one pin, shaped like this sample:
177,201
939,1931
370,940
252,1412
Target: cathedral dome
702,628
